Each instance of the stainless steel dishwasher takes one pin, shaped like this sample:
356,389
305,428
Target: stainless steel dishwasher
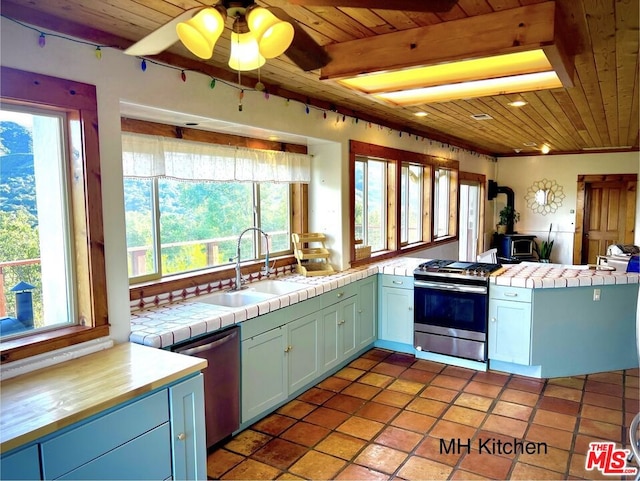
221,380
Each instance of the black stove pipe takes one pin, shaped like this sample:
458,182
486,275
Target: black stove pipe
494,189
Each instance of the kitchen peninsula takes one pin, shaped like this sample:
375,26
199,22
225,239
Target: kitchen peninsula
551,320
545,320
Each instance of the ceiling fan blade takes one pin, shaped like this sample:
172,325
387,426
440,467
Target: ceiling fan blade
410,5
162,38
304,51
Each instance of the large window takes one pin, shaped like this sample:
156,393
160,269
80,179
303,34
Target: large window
441,202
411,195
187,202
35,231
52,272
371,201
199,223
402,201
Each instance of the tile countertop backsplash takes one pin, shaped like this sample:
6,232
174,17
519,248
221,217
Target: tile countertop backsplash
168,324
535,275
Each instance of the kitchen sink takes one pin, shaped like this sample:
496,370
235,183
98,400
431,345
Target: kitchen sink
276,287
241,298
253,293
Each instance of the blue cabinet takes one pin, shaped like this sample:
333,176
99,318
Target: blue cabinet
339,327
510,329
264,372
395,325
188,436
367,312
156,436
21,464
286,351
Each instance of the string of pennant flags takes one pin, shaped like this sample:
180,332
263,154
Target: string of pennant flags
331,114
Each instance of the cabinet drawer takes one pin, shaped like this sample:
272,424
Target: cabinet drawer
401,282
518,294
22,464
146,457
337,295
90,440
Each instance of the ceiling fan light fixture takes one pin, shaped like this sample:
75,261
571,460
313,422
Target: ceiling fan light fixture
245,52
200,33
274,36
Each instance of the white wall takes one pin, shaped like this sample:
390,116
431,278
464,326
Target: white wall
520,172
119,78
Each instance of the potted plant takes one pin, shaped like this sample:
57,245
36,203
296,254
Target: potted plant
508,218
544,251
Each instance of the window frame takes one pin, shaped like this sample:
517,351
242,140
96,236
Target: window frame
79,102
299,205
395,159
159,272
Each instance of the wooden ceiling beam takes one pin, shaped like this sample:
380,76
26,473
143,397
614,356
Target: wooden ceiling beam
508,31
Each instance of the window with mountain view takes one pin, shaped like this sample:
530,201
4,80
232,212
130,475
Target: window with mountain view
35,246
53,286
199,223
186,207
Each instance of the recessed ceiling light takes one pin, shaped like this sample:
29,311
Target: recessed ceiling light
517,151
274,137
529,144
481,117
518,103
420,114
545,149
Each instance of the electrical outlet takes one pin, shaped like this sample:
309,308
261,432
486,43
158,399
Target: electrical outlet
596,294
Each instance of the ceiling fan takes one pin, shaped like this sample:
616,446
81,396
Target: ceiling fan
272,29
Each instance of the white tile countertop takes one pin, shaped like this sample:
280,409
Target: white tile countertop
535,275
178,321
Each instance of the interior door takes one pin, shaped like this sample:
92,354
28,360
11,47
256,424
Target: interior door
609,214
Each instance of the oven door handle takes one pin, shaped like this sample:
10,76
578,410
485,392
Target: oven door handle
451,287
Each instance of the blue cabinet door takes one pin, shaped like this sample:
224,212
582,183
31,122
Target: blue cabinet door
367,312
188,440
21,464
396,315
303,351
264,372
347,327
509,331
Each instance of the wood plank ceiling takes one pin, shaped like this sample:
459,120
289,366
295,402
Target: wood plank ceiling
601,111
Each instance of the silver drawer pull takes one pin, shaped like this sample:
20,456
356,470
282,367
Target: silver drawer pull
398,282
340,294
510,294
182,436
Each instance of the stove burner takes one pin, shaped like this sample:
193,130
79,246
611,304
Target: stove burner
445,267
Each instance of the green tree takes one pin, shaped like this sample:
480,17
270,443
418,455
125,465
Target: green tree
19,241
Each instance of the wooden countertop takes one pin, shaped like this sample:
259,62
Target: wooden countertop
43,401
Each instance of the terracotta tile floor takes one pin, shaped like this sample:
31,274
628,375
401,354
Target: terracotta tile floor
382,417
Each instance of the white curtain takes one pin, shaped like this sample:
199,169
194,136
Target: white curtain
150,156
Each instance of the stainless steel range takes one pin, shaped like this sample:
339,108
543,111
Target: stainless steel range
451,301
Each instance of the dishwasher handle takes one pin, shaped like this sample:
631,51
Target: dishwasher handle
205,347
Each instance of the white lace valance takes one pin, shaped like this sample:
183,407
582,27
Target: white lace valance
150,156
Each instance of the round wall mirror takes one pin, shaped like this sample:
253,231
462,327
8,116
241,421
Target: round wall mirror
544,196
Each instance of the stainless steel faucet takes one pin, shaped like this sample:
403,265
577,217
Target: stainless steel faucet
238,284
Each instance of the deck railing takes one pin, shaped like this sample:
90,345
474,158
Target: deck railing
4,266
